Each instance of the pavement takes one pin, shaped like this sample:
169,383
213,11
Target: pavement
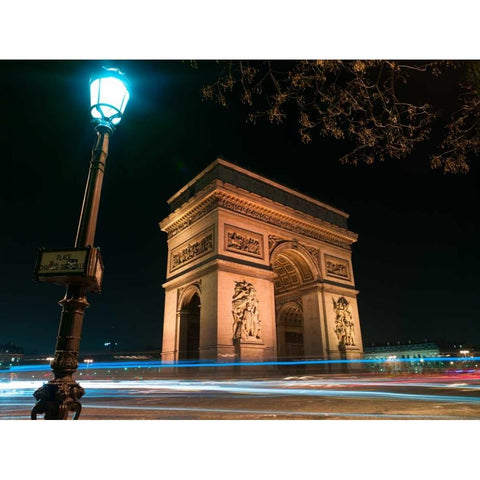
290,398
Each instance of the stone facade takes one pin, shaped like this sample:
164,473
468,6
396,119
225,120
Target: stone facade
257,272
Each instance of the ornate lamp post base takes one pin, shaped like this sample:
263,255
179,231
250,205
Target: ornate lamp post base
56,398
61,395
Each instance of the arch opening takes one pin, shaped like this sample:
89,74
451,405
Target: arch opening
189,337
293,271
290,341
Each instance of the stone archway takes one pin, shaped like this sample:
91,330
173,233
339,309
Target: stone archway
265,256
300,334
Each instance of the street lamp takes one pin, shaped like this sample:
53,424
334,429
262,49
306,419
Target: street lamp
80,269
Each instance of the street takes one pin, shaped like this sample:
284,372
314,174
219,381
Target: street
315,397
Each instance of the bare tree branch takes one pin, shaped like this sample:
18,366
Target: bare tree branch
365,102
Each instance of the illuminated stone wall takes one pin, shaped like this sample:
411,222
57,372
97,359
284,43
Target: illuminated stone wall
271,268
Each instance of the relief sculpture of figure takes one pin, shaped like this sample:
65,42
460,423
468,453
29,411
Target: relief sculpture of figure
246,321
344,327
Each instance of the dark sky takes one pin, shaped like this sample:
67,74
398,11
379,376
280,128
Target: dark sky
416,262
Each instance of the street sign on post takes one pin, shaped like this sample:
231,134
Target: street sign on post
70,266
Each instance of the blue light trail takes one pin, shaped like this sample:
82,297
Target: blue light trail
213,363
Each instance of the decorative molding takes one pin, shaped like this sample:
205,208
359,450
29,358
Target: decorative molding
274,241
324,232
196,247
184,221
315,253
65,360
219,263
245,242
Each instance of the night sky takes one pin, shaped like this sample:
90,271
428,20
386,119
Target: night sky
416,261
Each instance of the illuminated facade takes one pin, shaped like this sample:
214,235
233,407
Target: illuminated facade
257,272
10,355
420,357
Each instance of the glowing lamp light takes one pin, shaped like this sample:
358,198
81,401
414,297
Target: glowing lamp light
108,96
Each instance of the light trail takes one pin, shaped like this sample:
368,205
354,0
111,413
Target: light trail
126,388
363,398
197,364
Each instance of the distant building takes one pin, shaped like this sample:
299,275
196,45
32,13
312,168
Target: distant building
412,357
100,364
111,346
10,355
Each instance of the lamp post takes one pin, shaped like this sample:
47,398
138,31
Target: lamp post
108,97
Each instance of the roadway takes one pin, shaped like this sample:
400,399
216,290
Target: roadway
305,397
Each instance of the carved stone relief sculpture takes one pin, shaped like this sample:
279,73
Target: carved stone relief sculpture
344,327
246,318
243,241
191,250
337,267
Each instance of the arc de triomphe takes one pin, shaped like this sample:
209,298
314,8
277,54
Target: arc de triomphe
257,272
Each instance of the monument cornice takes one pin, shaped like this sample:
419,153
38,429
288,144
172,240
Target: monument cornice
217,196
